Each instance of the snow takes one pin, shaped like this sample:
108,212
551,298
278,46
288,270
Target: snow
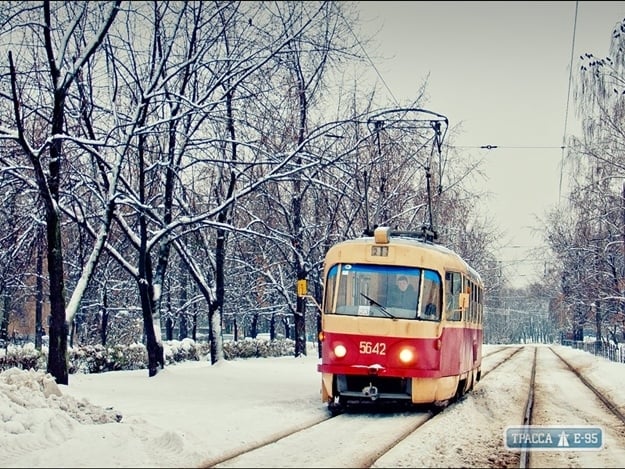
193,413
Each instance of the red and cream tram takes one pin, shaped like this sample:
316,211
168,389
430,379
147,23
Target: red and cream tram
401,322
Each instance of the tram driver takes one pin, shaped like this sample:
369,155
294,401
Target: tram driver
403,294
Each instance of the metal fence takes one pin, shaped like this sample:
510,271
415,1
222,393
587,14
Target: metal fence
615,353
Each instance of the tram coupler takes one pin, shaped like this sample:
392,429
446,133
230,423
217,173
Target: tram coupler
370,391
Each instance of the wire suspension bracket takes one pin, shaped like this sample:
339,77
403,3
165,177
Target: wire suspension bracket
424,127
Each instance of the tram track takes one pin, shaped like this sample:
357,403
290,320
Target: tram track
276,437
387,428
481,438
508,353
610,405
530,377
390,429
529,407
545,399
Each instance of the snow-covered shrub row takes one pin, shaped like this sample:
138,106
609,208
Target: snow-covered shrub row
253,348
98,358
24,356
185,349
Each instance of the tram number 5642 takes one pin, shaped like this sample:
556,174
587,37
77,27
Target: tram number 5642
371,348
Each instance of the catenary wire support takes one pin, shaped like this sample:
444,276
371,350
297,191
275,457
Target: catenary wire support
426,127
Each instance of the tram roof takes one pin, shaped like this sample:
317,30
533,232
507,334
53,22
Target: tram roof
414,239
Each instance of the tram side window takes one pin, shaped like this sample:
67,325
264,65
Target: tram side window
346,302
480,302
328,300
472,304
430,299
453,288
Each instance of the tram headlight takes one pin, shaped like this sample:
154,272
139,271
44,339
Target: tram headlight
340,351
406,355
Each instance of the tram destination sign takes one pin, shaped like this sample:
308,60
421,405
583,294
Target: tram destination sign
553,438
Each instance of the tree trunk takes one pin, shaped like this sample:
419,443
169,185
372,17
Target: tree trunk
169,328
4,322
300,328
287,328
272,327
39,297
254,326
59,328
215,309
154,348
104,326
598,320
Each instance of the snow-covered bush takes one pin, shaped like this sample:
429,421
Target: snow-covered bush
185,349
254,348
87,359
24,357
99,358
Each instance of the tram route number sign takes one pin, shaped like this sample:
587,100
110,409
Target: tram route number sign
553,438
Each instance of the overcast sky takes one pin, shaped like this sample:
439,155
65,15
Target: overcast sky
501,70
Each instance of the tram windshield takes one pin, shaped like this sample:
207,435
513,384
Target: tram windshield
383,291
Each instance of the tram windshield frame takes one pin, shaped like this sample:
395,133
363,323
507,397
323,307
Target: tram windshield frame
372,290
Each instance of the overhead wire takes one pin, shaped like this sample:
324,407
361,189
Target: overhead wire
362,47
494,147
562,147
491,147
437,136
568,98
488,147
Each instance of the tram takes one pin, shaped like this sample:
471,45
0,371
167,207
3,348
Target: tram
401,322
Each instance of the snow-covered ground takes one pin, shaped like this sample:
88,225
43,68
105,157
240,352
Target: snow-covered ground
194,412
471,434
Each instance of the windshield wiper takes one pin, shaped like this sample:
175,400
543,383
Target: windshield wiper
382,308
